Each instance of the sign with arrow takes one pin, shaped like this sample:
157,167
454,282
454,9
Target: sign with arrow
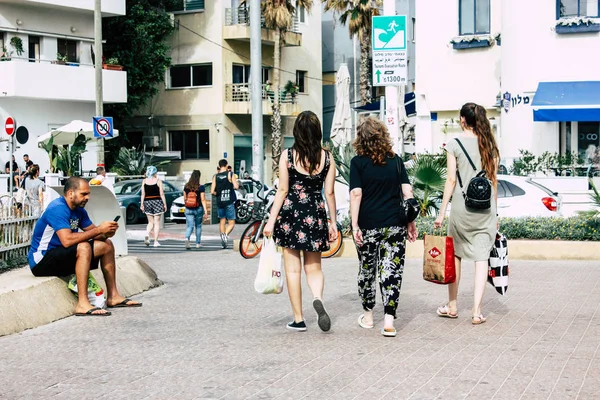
389,51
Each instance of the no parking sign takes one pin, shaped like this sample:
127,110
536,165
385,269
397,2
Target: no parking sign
103,127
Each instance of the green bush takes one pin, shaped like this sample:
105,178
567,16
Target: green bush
16,262
581,228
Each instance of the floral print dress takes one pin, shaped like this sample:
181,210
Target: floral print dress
302,220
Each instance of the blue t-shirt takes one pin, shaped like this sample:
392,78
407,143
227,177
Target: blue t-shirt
57,216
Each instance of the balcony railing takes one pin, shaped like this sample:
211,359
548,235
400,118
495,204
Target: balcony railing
242,92
241,16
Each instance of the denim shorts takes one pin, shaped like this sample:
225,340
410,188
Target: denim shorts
227,212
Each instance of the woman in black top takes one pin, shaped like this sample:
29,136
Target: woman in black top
378,225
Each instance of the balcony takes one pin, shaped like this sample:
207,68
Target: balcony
70,82
237,27
238,100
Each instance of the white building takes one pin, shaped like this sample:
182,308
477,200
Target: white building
203,111
538,79
40,91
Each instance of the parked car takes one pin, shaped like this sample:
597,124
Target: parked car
522,197
129,194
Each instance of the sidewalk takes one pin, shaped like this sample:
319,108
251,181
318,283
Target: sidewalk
207,334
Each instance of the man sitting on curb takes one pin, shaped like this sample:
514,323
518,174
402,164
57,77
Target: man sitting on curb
59,249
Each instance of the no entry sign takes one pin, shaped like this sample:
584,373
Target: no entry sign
10,126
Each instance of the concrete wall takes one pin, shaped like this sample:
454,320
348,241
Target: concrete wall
448,78
527,61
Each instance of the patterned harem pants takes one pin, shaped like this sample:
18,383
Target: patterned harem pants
382,252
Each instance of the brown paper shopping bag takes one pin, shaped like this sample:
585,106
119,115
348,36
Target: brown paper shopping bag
438,260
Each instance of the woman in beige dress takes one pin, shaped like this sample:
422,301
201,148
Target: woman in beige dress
473,231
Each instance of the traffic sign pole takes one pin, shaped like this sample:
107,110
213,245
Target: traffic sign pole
391,92
10,127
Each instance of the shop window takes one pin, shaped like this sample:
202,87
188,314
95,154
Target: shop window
187,76
474,17
193,145
588,140
68,48
577,8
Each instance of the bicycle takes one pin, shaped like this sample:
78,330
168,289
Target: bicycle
251,241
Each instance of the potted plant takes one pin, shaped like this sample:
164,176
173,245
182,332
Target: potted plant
292,89
60,59
5,54
112,64
17,43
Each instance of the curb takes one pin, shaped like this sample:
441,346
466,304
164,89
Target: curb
27,301
517,250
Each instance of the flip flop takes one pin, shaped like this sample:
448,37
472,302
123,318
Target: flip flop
362,324
444,311
90,313
125,303
478,319
387,333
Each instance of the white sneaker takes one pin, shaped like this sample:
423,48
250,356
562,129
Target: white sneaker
198,245
187,244
224,240
156,244
147,241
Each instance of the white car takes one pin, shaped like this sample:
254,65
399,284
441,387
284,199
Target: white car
519,196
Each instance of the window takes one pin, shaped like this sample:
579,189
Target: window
301,81
68,48
241,74
474,17
513,190
34,49
589,140
186,5
182,76
301,14
194,145
578,8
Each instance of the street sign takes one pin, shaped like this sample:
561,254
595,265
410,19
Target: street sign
389,51
103,127
9,126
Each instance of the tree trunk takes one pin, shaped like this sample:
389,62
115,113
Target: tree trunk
365,81
276,117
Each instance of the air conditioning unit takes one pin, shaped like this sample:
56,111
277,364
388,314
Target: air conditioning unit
150,141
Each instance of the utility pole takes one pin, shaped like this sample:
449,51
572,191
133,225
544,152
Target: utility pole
98,74
391,93
256,79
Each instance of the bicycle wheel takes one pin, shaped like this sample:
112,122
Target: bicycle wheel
335,246
248,249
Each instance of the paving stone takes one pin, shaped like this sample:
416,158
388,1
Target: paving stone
207,334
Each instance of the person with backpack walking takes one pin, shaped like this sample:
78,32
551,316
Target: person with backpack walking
472,159
194,198
223,188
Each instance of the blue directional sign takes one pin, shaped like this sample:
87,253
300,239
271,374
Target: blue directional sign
103,127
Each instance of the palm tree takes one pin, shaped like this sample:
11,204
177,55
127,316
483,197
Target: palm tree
428,177
358,14
278,16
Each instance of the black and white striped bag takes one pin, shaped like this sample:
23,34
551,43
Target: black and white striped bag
498,264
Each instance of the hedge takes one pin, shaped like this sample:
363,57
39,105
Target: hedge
536,228
16,262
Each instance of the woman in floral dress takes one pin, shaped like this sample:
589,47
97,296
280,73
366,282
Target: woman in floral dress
298,218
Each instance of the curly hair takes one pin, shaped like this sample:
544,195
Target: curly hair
373,141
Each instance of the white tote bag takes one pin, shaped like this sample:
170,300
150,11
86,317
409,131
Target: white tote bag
269,278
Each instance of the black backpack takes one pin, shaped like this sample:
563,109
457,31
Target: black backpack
479,190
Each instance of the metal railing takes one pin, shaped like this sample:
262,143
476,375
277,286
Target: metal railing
241,16
239,92
17,221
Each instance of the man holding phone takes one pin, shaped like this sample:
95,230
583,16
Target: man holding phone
58,248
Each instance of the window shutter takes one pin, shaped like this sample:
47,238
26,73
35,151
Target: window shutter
194,5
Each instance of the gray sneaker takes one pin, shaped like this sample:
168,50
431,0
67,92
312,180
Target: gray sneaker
224,240
323,319
187,244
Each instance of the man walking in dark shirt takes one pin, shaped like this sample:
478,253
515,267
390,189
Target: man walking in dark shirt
223,188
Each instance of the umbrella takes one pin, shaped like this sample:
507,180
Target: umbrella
341,127
67,134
